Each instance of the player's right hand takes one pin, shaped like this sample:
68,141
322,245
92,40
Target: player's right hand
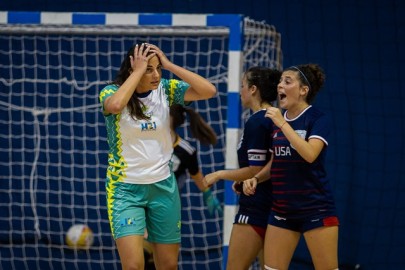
249,186
211,178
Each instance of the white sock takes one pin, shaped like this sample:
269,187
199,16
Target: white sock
269,268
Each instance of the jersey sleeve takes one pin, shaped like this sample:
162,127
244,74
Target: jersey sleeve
321,129
107,91
175,90
259,141
192,164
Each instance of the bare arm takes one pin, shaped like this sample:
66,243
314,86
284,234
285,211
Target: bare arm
237,175
210,200
308,150
199,181
249,185
139,63
264,173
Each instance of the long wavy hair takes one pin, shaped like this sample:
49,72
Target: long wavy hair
135,106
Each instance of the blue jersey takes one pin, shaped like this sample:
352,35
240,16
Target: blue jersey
301,189
254,150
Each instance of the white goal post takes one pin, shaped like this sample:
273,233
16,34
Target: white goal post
53,141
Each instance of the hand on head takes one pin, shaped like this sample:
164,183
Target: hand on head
141,57
157,51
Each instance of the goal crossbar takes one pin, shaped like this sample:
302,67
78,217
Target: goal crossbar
113,30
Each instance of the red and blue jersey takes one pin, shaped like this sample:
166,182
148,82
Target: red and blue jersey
301,189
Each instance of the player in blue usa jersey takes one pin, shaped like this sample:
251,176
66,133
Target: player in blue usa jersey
303,203
141,188
259,90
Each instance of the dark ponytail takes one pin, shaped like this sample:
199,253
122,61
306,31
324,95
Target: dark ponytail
199,128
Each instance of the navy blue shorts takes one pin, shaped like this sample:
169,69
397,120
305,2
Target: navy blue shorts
302,224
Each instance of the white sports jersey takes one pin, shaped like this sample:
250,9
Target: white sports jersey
140,150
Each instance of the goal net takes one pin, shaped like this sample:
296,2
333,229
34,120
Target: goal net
53,138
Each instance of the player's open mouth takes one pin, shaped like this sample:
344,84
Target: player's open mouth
282,96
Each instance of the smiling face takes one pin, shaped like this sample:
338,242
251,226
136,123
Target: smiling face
291,93
151,78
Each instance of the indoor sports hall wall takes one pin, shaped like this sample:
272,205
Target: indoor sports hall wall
360,46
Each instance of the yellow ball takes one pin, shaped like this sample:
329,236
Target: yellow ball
79,236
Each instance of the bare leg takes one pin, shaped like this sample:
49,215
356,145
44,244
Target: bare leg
244,246
323,246
279,247
260,256
130,249
166,256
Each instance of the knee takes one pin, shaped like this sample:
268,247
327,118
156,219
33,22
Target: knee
133,265
172,265
167,264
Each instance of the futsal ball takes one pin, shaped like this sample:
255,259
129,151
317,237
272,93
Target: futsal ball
79,236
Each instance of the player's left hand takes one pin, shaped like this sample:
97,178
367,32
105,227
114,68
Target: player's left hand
162,57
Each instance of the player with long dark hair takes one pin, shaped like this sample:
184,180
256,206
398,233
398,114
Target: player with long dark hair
258,92
185,155
141,187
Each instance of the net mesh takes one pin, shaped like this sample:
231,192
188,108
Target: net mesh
54,146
